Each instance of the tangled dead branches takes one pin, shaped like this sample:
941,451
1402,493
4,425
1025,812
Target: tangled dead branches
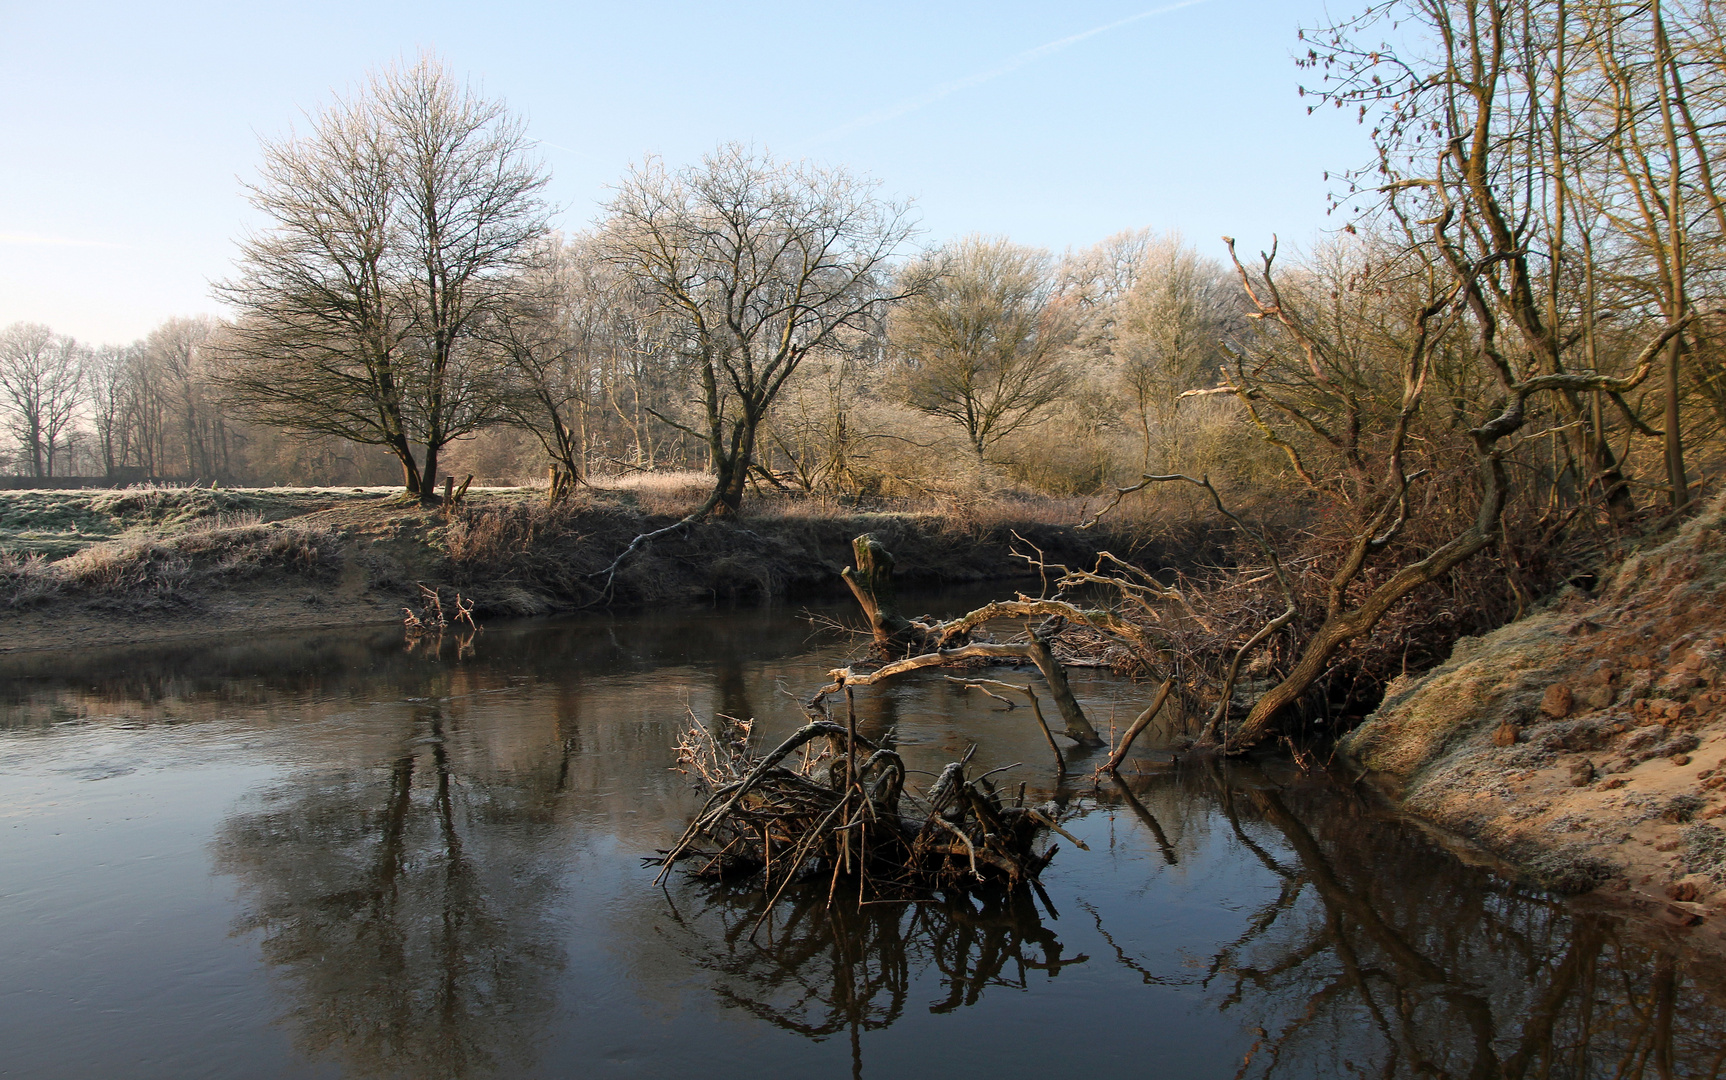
839,812
431,617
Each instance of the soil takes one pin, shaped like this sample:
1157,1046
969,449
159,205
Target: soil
1586,743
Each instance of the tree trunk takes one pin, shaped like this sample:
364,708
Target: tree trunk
35,440
730,493
1343,627
733,472
1674,442
1079,728
410,468
428,476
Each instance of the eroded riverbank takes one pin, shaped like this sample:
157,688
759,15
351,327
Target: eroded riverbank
1586,743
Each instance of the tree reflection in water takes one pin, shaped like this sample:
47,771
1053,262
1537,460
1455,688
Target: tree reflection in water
405,888
406,906
1373,959
1377,953
820,969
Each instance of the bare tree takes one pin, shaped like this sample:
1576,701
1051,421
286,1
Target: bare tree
575,330
178,357
398,224
984,342
751,266
41,387
110,384
1169,329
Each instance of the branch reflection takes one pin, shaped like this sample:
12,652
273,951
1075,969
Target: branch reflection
820,969
1374,959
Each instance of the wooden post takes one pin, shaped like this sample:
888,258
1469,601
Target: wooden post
448,493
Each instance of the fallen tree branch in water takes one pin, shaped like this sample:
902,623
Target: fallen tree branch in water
838,814
1077,726
1036,709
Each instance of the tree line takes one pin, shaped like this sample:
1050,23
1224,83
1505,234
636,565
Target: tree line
1542,179
149,411
767,322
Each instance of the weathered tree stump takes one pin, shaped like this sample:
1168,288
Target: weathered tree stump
872,584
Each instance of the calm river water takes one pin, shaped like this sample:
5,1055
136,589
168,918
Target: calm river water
323,855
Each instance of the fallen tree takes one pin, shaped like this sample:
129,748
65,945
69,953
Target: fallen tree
1152,622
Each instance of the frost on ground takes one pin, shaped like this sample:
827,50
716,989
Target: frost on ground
1585,744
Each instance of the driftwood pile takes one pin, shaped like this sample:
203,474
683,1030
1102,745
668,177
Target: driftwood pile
828,805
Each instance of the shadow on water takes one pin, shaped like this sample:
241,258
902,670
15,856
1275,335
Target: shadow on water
441,876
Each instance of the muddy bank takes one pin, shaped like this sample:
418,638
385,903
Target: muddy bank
1586,743
176,564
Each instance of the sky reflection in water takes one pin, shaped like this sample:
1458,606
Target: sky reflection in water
329,855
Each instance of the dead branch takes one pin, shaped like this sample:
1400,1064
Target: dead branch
834,816
1139,724
1036,709
1078,727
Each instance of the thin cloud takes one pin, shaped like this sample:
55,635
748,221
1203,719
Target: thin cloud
31,240
946,89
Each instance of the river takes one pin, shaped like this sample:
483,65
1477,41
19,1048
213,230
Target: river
347,855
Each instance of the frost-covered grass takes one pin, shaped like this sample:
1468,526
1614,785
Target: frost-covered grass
147,573
56,524
1705,852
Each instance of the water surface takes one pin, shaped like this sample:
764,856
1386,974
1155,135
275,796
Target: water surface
336,855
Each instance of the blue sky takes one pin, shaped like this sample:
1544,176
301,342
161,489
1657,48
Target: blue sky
127,128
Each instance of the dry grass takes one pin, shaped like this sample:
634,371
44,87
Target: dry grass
26,580
672,493
974,510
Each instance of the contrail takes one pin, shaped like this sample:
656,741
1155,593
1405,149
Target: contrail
569,150
936,93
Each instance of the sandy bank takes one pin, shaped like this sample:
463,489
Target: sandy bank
1585,744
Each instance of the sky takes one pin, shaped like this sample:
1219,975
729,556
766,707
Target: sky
129,129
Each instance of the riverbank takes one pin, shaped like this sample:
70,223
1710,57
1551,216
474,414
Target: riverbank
83,568
1585,744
